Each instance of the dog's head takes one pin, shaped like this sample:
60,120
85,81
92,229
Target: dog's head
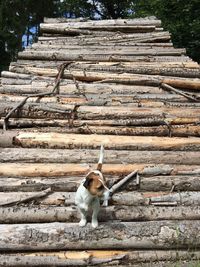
95,183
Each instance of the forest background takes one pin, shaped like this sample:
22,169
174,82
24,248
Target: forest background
20,20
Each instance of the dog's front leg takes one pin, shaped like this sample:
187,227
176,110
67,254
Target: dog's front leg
83,220
95,208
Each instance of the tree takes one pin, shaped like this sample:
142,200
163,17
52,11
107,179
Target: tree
103,9
181,18
17,18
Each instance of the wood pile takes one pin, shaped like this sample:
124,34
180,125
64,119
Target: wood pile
119,83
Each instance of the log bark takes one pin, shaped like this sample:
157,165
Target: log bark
156,198
31,155
46,99
96,37
89,76
87,258
83,28
56,45
61,184
35,110
82,97
59,56
182,198
109,65
162,199
110,22
175,131
56,140
70,169
104,50
114,56
25,197
37,214
123,198
83,112
142,69
136,235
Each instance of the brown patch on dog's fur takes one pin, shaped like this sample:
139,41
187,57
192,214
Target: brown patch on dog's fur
95,187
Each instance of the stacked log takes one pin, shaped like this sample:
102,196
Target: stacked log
119,83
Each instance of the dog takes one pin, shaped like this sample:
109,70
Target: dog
91,190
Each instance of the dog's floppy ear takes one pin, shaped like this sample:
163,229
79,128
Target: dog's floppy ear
87,182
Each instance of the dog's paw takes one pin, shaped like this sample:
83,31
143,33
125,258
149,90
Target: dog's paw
95,224
82,223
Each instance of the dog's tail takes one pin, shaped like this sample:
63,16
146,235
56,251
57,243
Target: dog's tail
101,156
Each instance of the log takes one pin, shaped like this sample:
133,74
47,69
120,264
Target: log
71,169
175,131
59,56
182,198
155,198
48,260
89,76
84,29
89,112
136,235
104,50
83,98
112,65
148,37
123,198
56,140
71,99
131,114
35,110
25,197
87,258
144,70
77,46
31,155
100,56
110,22
71,183
37,214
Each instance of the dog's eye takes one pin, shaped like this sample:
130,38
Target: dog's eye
100,188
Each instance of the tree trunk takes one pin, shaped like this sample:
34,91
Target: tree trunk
100,258
181,131
89,76
109,22
129,235
59,56
37,214
86,29
31,155
124,198
71,183
56,140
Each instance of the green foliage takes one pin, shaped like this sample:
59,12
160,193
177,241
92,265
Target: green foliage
104,9
17,17
180,17
76,8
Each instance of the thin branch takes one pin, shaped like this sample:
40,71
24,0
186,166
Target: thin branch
172,89
54,91
125,180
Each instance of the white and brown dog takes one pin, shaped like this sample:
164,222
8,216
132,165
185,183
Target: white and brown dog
89,193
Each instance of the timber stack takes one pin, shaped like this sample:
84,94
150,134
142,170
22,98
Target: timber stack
119,83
